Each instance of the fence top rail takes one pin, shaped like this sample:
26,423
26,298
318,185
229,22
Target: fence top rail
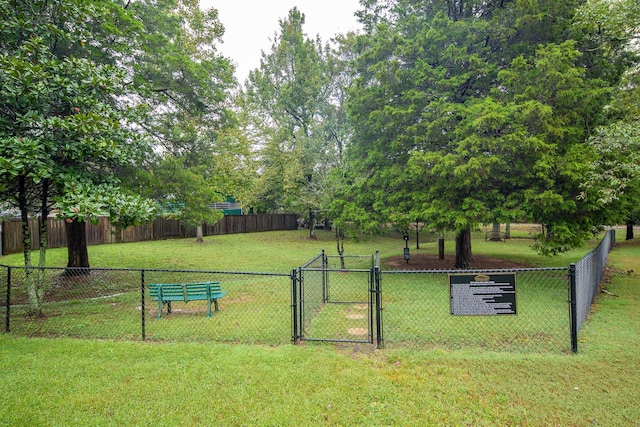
339,270
349,256
608,239
312,260
494,270
163,270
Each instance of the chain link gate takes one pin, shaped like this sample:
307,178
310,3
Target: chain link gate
337,299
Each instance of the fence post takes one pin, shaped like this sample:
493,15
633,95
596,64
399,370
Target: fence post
300,305
294,306
573,308
7,326
144,333
611,234
325,278
378,288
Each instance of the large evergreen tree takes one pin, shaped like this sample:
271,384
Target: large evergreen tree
472,111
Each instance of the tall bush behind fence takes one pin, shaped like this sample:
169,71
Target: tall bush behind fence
105,233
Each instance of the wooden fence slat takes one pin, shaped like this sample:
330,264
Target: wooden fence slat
104,233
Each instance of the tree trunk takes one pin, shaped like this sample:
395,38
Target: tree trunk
312,224
507,231
78,255
630,225
35,306
44,241
40,284
463,249
441,246
340,246
495,233
199,234
44,226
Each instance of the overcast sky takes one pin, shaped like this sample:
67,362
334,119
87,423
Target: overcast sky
250,24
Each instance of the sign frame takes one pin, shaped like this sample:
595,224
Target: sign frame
482,294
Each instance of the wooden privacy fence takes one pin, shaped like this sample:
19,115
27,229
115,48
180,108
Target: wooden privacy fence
104,233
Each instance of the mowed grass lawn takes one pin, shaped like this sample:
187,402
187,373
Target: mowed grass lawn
70,382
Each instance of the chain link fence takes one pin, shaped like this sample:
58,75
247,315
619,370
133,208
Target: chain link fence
311,291
417,312
329,298
335,300
116,304
589,272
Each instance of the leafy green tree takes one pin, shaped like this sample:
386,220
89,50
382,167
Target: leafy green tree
287,97
168,52
186,86
473,112
57,124
185,192
175,70
82,202
613,177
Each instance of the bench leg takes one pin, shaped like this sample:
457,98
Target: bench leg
208,307
160,308
215,302
168,307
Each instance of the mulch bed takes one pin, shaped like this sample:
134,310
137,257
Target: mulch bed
432,262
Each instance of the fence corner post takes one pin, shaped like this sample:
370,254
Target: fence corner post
294,307
7,326
142,280
573,308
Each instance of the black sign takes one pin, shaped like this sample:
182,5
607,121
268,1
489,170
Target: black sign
483,294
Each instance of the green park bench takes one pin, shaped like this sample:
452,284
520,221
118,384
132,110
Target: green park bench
165,293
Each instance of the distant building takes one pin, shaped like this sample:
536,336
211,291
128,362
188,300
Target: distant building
229,207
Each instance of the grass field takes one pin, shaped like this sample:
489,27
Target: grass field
112,382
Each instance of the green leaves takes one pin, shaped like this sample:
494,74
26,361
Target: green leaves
84,202
63,136
294,108
175,68
478,113
187,189
616,171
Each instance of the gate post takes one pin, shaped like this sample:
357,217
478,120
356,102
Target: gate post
573,304
325,278
144,331
378,291
295,338
300,304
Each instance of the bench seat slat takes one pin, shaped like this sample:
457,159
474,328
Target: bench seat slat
180,297
198,291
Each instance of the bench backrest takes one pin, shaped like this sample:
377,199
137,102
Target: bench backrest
183,290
